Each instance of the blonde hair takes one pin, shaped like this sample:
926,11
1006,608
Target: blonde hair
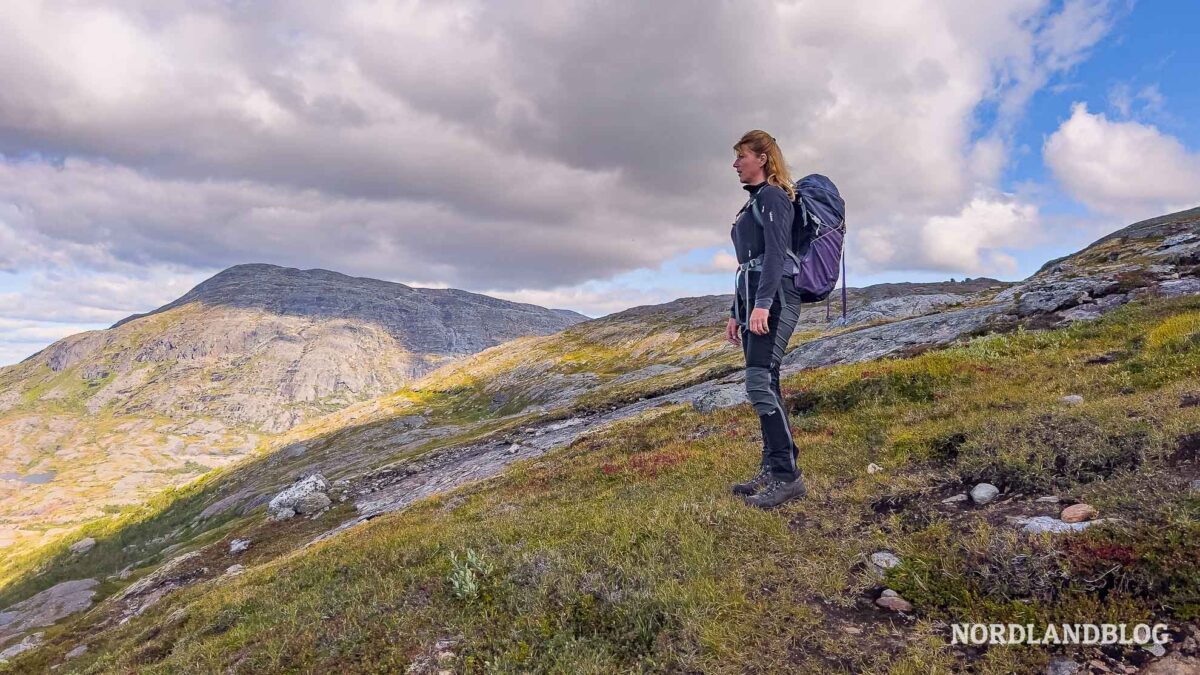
760,142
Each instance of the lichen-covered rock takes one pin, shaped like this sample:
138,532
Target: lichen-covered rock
723,397
305,497
46,607
897,308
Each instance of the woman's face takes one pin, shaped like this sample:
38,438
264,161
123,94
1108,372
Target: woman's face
749,166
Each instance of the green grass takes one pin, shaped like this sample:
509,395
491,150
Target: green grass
624,552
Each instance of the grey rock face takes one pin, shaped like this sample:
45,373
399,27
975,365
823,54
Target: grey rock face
1179,287
30,642
723,397
879,341
897,308
305,497
46,607
1051,295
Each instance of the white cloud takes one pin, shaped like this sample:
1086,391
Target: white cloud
969,240
1122,167
722,262
506,146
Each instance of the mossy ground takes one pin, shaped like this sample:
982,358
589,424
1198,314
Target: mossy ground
625,551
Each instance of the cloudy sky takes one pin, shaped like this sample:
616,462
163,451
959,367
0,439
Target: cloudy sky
571,154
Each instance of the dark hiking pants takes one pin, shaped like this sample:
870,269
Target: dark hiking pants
764,354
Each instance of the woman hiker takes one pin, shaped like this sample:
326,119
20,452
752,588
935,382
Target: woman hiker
765,310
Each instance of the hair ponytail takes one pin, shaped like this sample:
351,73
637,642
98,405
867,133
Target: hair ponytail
760,142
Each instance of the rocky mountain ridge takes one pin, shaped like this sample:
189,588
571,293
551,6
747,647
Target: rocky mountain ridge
113,416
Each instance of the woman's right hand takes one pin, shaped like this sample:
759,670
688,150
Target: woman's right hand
732,333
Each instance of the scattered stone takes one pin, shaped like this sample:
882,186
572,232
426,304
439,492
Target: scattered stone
234,570
21,647
1157,650
305,497
45,608
1072,399
1062,667
883,561
1048,499
82,546
984,493
239,545
77,652
874,468
1099,665
956,499
853,630
891,600
1078,513
1046,524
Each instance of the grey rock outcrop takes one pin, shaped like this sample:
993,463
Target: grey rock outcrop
28,643
82,546
723,397
306,496
46,607
897,308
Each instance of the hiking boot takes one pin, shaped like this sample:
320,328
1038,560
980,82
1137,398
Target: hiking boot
777,492
754,484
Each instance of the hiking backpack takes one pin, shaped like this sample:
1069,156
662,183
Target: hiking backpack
818,236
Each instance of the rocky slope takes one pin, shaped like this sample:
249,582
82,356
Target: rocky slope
607,548
100,420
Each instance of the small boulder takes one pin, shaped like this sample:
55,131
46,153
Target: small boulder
883,561
1072,399
984,493
239,545
77,652
1062,667
874,468
1156,649
305,497
234,570
1078,513
1194,487
82,546
890,599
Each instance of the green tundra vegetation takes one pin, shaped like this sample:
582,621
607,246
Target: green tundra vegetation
626,552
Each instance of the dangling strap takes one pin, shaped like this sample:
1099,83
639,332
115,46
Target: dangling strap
843,271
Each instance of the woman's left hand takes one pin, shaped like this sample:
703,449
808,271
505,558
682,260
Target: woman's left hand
758,321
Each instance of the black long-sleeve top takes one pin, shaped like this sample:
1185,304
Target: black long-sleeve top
772,238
